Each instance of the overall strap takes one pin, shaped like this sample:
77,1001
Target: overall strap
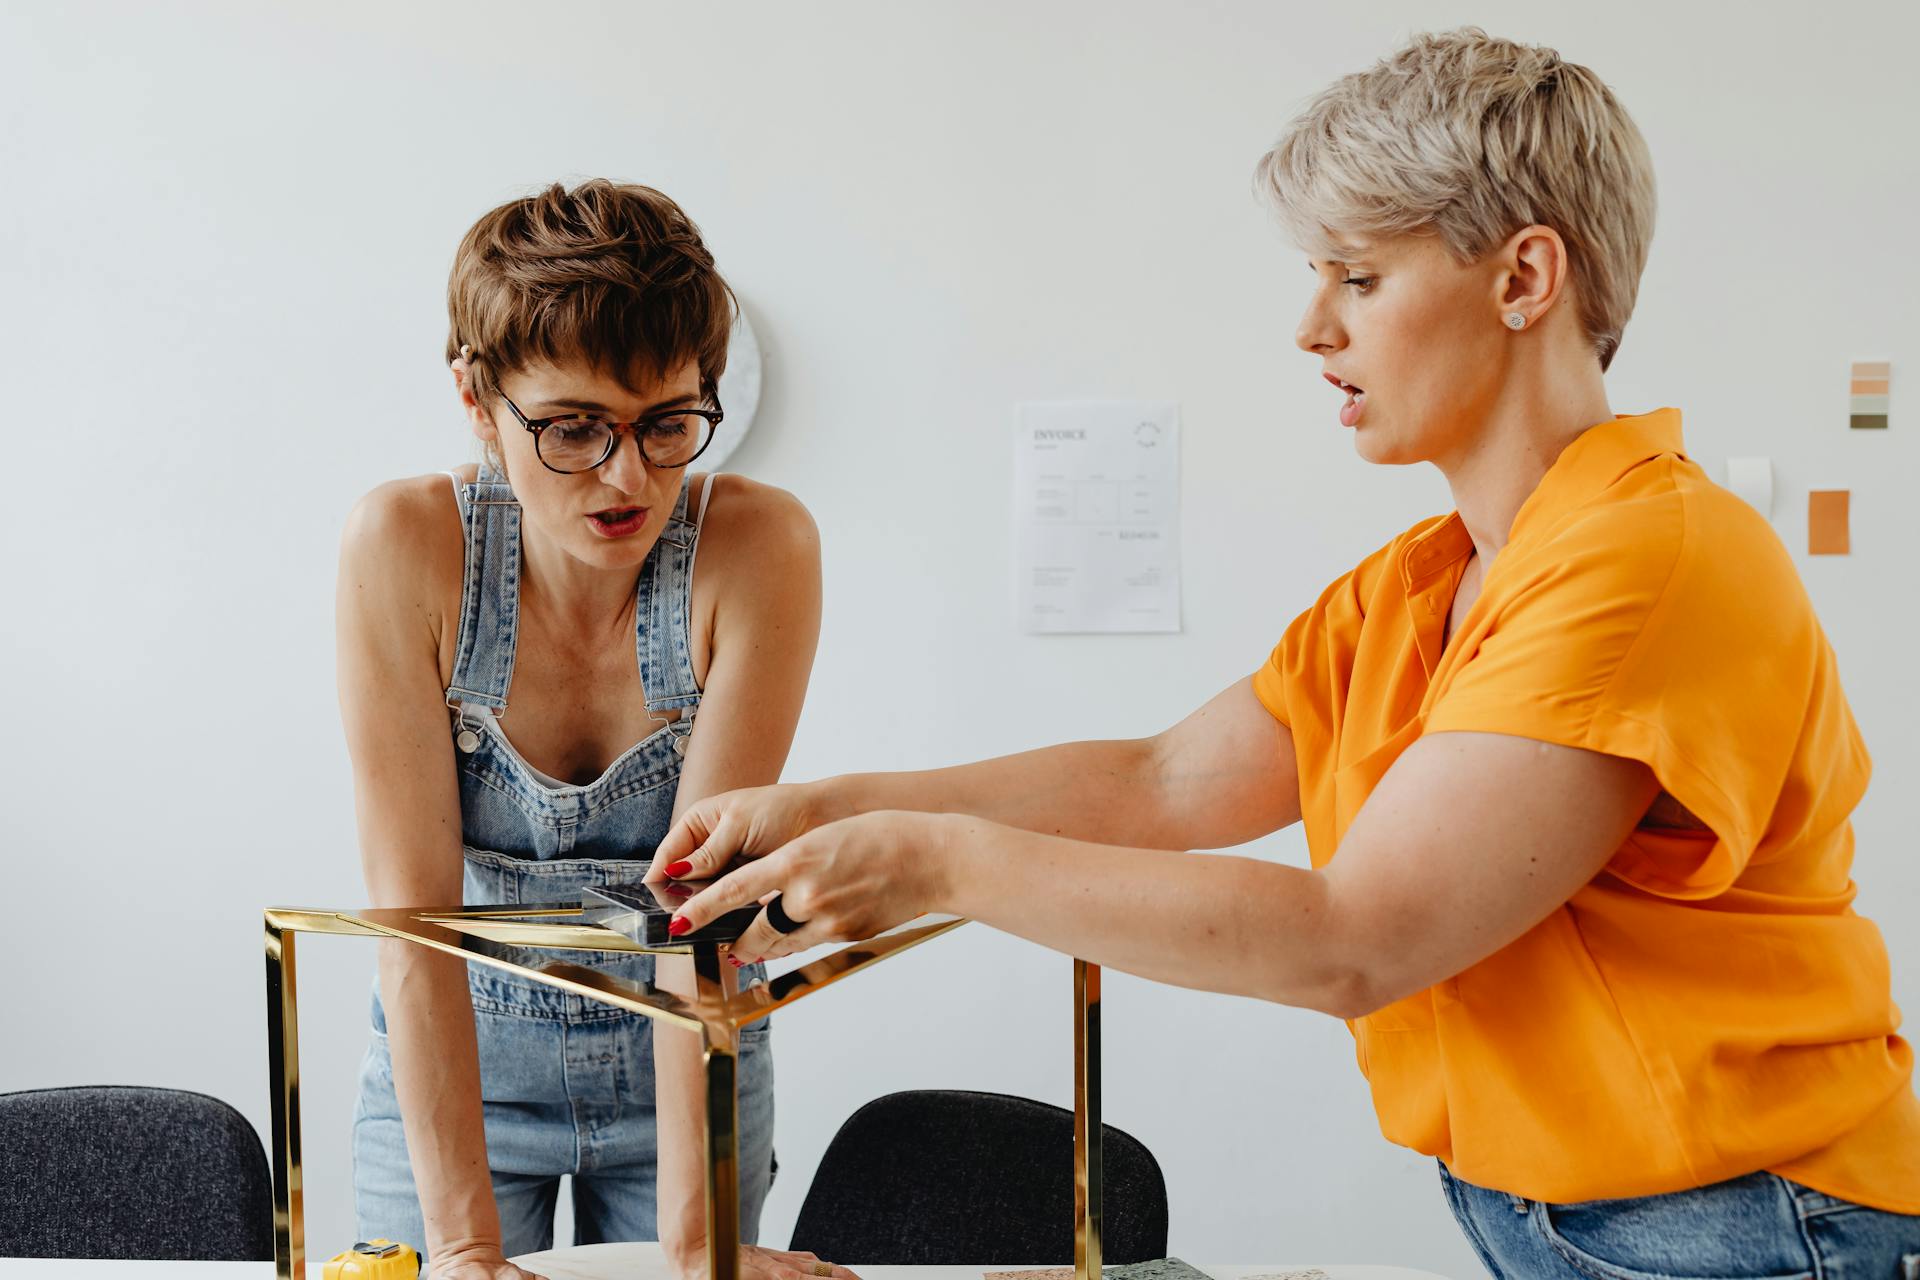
489,600
663,616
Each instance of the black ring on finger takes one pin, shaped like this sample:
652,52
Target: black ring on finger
778,918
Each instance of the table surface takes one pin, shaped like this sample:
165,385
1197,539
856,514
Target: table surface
636,1262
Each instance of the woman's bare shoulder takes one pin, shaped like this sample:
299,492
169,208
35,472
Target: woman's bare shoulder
761,515
405,536
759,547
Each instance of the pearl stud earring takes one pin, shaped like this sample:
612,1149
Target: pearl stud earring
1515,320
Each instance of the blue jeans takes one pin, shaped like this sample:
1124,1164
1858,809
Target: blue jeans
568,1090
1760,1227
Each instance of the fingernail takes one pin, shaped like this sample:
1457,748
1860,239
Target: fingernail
677,869
735,962
678,926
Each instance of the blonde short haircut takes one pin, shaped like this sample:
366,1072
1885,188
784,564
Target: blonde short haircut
1469,138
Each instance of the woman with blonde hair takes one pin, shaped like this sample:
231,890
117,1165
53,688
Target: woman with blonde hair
1574,762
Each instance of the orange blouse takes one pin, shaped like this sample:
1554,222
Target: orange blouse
1709,1004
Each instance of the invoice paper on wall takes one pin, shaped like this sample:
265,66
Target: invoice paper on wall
1096,516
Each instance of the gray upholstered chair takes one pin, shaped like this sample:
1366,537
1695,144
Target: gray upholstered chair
943,1176
127,1172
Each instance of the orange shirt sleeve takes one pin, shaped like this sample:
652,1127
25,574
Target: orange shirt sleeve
1270,681
1672,630
1309,670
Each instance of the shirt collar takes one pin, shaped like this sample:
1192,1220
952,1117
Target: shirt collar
1597,457
1433,550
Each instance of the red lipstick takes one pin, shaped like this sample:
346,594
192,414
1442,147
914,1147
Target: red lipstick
617,522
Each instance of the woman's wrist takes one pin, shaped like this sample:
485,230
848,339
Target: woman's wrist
462,1217
445,1256
683,1248
949,840
831,799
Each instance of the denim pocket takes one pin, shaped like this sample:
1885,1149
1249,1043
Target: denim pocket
1852,1238
1742,1229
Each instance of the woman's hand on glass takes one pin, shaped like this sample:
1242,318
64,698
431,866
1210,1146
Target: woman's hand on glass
477,1263
761,1264
751,822
846,881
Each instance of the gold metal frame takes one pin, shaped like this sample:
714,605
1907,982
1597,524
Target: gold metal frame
493,935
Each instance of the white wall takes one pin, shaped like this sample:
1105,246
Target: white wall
224,242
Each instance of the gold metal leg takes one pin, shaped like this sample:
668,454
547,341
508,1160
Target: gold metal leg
283,1070
1086,1120
480,935
721,1045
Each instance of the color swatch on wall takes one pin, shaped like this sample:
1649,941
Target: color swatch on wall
1827,532
1868,395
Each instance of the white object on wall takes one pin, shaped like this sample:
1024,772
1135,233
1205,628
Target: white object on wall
739,392
1752,479
1096,516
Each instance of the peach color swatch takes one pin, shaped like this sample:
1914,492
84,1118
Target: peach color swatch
1869,394
1827,532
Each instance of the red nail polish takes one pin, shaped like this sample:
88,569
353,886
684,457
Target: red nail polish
678,926
734,961
677,869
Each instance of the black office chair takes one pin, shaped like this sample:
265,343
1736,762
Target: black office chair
124,1172
943,1176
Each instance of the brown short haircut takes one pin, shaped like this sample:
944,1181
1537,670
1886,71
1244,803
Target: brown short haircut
611,273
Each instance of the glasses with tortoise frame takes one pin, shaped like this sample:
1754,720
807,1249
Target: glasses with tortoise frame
575,442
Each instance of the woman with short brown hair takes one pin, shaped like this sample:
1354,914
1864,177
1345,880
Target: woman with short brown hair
534,683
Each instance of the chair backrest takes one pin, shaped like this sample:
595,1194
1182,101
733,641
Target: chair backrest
125,1172
942,1177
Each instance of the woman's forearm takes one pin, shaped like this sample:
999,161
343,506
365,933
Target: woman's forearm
436,1076
1107,792
1207,922
679,1119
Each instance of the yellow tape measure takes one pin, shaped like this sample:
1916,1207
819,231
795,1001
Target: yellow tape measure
376,1259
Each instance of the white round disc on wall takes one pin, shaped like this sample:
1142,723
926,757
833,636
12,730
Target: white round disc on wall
739,393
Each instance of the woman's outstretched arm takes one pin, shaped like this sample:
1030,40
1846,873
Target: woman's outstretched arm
1469,841
1222,776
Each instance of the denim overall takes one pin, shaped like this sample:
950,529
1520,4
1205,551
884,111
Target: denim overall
567,1083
